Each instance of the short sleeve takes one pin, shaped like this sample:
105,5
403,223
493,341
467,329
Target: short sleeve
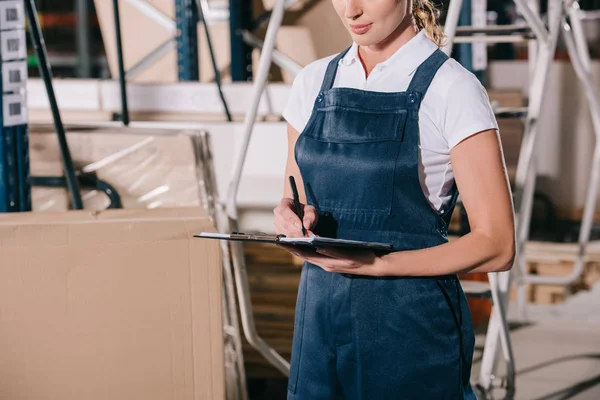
468,110
295,112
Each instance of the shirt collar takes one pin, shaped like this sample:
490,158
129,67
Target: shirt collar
405,60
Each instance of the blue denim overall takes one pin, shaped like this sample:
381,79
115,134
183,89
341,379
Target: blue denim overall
362,337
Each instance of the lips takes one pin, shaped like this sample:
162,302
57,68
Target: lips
360,29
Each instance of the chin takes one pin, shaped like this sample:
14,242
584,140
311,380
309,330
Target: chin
365,40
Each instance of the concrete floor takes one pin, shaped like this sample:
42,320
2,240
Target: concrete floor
555,360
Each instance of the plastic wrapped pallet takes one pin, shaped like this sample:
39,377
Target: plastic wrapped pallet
148,168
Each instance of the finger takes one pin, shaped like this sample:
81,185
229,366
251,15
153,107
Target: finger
310,217
292,221
283,225
340,258
330,264
281,229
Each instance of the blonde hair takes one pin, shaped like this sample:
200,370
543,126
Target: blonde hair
426,17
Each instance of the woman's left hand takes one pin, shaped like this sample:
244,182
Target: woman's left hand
348,261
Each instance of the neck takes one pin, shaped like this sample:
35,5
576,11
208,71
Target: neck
374,54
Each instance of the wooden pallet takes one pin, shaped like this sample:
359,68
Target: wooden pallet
558,259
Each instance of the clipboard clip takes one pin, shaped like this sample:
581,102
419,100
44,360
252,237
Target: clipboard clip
257,236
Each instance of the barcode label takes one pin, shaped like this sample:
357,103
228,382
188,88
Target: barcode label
14,76
14,109
13,44
11,14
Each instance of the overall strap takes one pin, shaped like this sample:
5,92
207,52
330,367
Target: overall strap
426,71
332,71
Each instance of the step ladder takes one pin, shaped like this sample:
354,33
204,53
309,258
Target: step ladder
572,30
542,41
235,372
228,220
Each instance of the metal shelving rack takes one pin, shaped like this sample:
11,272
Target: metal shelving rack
186,19
15,183
473,56
240,20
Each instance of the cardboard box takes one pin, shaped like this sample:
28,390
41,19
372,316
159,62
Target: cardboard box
506,97
295,42
324,23
119,304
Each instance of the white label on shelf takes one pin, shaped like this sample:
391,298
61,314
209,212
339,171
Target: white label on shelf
13,45
14,75
12,15
14,109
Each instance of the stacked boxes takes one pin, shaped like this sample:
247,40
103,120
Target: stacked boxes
15,187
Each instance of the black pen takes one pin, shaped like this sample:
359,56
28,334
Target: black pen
297,203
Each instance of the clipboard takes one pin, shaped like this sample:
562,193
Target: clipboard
310,241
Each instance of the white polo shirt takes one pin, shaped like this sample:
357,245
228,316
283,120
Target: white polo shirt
455,106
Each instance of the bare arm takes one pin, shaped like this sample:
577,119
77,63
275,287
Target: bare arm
482,181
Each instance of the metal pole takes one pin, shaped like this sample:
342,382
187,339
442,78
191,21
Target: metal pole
44,66
122,82
534,21
507,349
240,19
83,38
280,59
241,277
213,59
451,23
260,81
186,15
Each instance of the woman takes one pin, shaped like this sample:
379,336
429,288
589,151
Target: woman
383,136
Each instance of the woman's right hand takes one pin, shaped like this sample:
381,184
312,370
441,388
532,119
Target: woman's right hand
288,223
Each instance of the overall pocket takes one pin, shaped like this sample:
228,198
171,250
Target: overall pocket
298,332
348,158
344,124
